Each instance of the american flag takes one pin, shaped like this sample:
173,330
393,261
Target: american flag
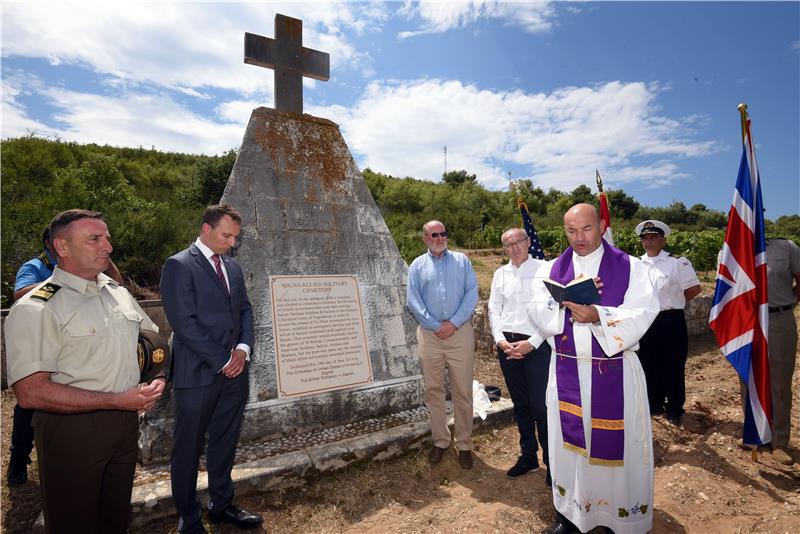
535,250
740,312
605,214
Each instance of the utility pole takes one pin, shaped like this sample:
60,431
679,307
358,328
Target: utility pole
445,160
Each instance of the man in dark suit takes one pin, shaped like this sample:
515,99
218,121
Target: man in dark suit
206,304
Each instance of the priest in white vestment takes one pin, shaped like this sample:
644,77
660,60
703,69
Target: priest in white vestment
600,439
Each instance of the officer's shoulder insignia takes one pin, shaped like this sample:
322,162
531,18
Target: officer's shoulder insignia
45,292
675,256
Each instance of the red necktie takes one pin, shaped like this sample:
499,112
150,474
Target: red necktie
220,274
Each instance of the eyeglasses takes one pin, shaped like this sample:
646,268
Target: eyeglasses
517,242
438,234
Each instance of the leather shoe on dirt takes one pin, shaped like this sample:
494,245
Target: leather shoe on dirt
236,516
523,465
435,455
18,469
559,528
465,459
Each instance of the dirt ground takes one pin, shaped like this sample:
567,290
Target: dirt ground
704,481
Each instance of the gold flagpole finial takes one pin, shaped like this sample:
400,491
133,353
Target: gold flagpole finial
598,180
743,112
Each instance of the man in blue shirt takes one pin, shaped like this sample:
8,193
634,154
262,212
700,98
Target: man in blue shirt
442,294
35,270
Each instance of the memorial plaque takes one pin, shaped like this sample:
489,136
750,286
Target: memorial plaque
320,339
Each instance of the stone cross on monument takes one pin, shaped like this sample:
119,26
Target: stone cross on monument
290,60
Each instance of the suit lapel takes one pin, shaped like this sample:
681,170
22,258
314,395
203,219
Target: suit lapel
205,265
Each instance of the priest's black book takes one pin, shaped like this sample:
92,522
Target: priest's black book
579,291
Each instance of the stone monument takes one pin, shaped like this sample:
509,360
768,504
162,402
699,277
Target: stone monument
307,211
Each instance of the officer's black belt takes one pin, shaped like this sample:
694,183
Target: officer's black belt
780,308
672,311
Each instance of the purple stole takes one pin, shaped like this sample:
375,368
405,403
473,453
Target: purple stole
607,410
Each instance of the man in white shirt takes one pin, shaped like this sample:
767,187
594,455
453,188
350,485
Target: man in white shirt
663,349
524,358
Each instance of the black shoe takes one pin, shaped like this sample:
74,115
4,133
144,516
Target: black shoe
524,465
674,419
561,525
559,528
18,469
547,480
435,455
465,459
236,516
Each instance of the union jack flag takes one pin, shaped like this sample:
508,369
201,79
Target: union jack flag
740,312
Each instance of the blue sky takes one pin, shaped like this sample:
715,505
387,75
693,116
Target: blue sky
645,92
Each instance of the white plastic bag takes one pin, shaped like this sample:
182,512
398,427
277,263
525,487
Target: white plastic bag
480,400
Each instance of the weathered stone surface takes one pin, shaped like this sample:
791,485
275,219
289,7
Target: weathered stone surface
307,211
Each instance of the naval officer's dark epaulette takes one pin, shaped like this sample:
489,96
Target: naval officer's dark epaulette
675,256
45,292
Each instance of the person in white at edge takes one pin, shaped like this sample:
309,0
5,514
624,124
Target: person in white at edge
663,349
601,455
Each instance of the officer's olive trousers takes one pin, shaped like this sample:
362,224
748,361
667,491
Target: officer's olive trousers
86,467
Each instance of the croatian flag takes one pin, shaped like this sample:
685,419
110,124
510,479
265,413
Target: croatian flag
605,214
739,314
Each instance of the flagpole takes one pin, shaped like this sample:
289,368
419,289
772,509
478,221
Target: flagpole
743,112
599,180
743,115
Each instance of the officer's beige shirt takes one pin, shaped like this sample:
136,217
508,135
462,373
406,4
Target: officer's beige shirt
85,334
783,261
670,276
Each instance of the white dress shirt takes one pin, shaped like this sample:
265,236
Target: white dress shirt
671,276
509,300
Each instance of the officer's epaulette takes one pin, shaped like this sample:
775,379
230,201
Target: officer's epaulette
45,292
675,256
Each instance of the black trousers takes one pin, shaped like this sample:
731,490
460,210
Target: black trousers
86,467
526,380
22,431
662,352
216,409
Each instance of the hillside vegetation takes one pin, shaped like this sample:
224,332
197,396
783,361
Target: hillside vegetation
153,202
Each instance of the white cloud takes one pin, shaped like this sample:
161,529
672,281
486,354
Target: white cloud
15,119
134,119
440,16
181,46
558,138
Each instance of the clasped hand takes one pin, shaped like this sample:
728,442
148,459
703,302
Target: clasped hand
515,350
236,365
446,330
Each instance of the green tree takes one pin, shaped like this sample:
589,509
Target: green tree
460,177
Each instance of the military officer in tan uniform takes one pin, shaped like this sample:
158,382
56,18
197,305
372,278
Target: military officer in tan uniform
783,272
71,346
663,349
